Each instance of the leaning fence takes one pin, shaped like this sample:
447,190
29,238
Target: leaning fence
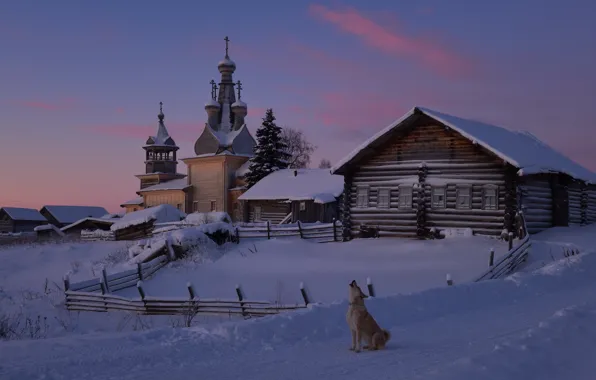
322,232
514,257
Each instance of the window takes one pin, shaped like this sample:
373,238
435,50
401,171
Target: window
438,197
362,197
257,216
179,206
490,197
383,198
302,206
464,197
405,197
195,206
213,206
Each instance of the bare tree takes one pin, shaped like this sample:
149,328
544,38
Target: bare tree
297,146
325,164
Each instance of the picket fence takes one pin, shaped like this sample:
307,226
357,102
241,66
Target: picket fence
322,232
107,283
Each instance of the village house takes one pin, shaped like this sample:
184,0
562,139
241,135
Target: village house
17,219
214,175
291,195
429,170
61,216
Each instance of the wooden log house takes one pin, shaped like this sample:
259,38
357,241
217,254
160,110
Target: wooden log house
17,219
432,171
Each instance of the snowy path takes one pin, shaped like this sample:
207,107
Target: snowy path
444,333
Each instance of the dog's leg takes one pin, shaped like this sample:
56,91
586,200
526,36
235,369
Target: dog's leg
358,340
353,347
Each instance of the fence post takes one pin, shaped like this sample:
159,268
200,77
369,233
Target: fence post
102,285
371,288
66,282
104,275
449,280
237,236
140,271
510,241
334,231
140,289
191,290
300,230
304,294
240,295
268,231
491,259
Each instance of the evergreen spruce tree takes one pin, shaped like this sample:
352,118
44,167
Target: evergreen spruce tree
270,152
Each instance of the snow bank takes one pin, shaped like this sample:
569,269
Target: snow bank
160,214
200,218
49,227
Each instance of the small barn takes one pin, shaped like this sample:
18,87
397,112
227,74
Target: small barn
17,219
290,195
48,232
93,224
433,171
62,216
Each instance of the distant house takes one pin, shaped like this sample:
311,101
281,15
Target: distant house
429,170
133,205
93,224
61,216
289,195
16,219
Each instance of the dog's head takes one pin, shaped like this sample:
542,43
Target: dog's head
356,294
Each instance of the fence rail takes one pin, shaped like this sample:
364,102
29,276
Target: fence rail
323,232
96,302
514,258
106,283
88,235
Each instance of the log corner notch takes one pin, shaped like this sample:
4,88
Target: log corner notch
584,203
511,199
345,217
421,230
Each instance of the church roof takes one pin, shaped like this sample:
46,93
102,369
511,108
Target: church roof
175,184
520,149
133,202
162,138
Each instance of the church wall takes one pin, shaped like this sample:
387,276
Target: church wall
176,198
207,180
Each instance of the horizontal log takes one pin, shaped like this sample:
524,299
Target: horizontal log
395,234
389,227
464,217
459,224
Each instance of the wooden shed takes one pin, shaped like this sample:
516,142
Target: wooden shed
290,195
17,219
92,224
432,171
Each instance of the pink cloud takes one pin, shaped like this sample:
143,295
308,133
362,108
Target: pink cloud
428,52
63,104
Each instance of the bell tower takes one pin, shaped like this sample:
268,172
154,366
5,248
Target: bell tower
160,156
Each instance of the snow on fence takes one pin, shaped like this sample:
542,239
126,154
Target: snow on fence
323,232
514,258
98,235
191,306
107,283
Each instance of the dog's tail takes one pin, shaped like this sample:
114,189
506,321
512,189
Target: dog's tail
386,335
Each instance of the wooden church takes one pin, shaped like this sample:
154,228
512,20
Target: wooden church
213,179
430,171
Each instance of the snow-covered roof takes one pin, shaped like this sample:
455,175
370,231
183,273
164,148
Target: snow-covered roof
47,227
309,184
133,202
98,220
175,184
71,214
160,214
163,137
29,214
519,148
243,169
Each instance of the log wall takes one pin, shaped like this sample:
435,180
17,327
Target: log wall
591,204
537,203
575,194
271,211
450,160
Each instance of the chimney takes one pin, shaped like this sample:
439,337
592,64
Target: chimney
295,173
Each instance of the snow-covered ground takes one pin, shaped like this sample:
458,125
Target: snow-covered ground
540,323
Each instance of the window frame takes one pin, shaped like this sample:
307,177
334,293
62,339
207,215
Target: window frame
213,205
365,194
485,190
468,205
302,206
257,211
401,195
443,193
387,196
195,206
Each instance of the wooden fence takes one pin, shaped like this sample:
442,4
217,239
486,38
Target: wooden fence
514,257
88,235
193,305
107,283
322,232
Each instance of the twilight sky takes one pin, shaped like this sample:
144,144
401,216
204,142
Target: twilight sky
81,81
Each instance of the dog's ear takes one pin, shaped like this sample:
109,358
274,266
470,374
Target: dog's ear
353,283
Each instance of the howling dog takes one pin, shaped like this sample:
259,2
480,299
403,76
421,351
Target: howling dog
362,324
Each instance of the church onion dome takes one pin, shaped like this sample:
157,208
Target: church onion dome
226,63
212,103
239,104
